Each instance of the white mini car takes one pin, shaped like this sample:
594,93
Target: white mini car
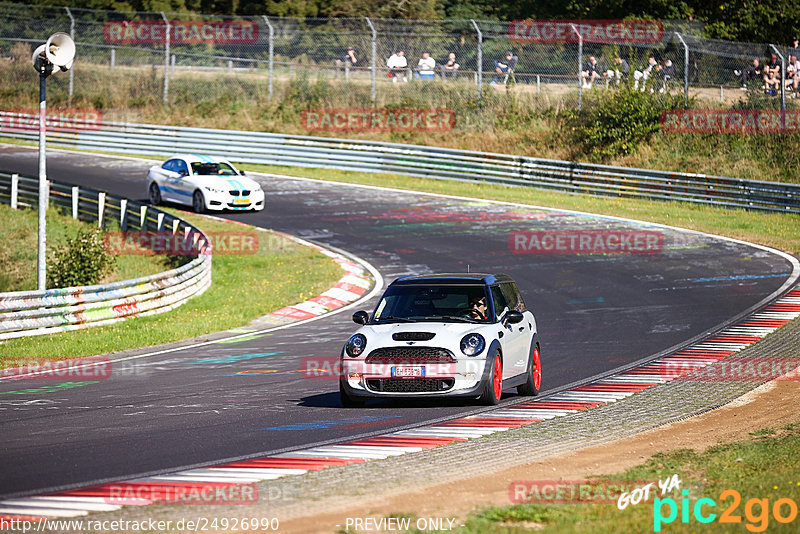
204,183
453,335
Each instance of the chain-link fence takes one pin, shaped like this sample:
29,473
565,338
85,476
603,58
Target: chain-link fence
140,57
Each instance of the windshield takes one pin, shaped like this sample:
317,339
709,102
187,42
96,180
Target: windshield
220,169
433,303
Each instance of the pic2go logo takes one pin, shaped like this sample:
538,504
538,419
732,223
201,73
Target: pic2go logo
756,511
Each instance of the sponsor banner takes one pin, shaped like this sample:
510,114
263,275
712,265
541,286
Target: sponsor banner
760,369
57,120
586,242
217,32
730,121
378,120
574,491
191,493
592,31
180,244
90,368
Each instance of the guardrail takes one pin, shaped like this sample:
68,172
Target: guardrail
27,313
422,161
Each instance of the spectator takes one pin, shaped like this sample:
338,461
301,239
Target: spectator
620,71
772,66
644,74
426,67
504,66
397,64
795,48
793,75
590,73
665,74
772,83
450,66
347,60
751,72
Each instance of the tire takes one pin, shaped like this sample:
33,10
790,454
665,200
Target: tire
198,202
347,400
493,388
155,194
534,381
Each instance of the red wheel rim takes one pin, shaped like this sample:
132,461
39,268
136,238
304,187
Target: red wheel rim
498,378
537,369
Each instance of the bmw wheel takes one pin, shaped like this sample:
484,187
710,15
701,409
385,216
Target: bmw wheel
155,194
493,388
534,380
198,202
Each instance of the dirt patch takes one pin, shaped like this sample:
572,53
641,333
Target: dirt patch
769,406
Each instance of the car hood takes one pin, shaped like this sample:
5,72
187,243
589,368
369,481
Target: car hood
232,183
445,334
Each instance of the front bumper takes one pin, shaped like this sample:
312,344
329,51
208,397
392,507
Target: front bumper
226,201
464,378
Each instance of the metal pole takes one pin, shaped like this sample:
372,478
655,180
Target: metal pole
113,58
271,53
685,71
480,59
72,35
166,57
580,65
374,65
783,82
41,265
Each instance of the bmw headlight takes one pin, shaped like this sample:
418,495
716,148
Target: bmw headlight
472,344
213,189
355,345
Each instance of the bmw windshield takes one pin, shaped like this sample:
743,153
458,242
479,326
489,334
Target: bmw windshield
442,303
213,169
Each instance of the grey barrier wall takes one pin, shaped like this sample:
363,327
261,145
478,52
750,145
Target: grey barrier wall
26,313
426,162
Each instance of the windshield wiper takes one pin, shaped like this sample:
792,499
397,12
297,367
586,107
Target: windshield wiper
395,319
453,318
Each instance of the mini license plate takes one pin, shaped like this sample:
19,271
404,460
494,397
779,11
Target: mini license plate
241,201
408,370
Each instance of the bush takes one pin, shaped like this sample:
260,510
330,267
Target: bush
615,123
82,261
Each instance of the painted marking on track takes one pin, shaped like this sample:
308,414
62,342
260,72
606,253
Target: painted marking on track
236,357
50,389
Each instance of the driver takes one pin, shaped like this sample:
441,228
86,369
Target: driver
477,307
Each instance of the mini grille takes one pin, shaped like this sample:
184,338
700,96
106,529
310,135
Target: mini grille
415,385
410,355
413,336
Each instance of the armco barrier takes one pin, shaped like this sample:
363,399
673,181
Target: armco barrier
423,161
26,313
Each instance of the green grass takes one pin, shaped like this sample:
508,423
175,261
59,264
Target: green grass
244,287
772,229
758,468
18,254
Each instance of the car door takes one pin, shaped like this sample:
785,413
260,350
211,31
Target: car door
523,329
165,179
512,339
184,188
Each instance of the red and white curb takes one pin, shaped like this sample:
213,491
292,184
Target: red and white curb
79,502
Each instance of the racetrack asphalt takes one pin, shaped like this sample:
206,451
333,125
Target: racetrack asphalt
595,313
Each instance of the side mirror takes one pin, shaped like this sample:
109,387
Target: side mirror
513,317
361,317
242,173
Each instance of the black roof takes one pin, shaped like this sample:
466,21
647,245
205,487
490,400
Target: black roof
453,279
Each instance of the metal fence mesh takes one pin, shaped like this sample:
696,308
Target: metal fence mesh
213,57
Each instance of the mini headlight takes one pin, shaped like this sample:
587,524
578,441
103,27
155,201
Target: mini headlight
355,345
472,344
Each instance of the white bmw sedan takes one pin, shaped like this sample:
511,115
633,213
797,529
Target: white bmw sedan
204,183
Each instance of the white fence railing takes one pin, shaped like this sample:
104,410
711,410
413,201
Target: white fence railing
26,313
